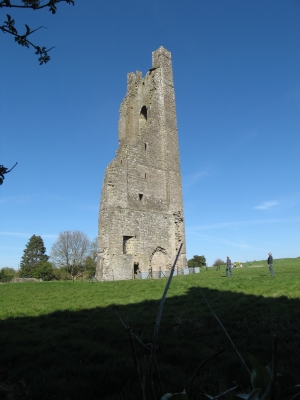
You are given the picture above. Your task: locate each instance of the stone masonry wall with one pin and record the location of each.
(141, 222)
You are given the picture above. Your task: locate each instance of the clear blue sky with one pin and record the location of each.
(236, 71)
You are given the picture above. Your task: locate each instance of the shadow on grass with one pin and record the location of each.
(87, 354)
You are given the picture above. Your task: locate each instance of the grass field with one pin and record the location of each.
(64, 340)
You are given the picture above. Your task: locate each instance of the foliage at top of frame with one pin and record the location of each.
(23, 39)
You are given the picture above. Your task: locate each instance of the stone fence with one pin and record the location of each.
(163, 274)
(26, 280)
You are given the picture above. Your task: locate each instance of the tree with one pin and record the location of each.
(22, 39)
(34, 256)
(218, 262)
(70, 250)
(91, 260)
(94, 249)
(44, 271)
(197, 261)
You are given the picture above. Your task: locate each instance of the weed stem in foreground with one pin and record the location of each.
(238, 353)
(162, 302)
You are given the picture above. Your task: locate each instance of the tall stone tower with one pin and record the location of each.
(141, 224)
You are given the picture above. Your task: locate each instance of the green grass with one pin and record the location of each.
(65, 341)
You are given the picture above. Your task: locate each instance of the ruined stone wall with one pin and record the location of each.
(141, 223)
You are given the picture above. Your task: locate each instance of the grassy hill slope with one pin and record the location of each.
(64, 340)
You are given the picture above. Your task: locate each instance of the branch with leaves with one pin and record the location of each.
(3, 171)
(22, 39)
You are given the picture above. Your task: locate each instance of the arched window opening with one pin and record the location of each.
(143, 113)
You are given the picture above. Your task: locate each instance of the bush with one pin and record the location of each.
(90, 266)
(7, 274)
(59, 273)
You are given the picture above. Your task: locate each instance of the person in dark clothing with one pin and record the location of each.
(270, 263)
(228, 266)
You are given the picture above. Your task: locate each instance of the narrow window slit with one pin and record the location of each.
(143, 113)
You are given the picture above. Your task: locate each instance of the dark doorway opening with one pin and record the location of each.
(135, 270)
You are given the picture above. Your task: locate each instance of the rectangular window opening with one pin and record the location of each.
(127, 244)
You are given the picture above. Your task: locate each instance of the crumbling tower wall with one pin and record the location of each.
(141, 223)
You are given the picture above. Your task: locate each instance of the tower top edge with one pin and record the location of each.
(162, 50)
(161, 58)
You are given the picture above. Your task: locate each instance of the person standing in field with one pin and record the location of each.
(228, 266)
(270, 263)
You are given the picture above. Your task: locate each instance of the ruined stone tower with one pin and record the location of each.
(141, 223)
